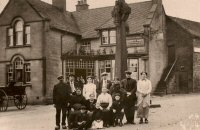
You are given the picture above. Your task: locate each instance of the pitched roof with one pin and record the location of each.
(89, 20)
(58, 19)
(191, 26)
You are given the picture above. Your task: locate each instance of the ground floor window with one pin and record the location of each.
(19, 71)
(85, 68)
(133, 66)
(106, 66)
(109, 65)
(80, 68)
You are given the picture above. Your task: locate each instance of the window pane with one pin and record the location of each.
(113, 37)
(133, 66)
(19, 26)
(27, 72)
(19, 32)
(86, 47)
(9, 73)
(19, 38)
(10, 37)
(10, 32)
(27, 35)
(105, 37)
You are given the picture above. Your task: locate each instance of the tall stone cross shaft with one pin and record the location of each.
(120, 14)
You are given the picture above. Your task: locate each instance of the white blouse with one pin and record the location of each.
(144, 86)
(105, 98)
(89, 89)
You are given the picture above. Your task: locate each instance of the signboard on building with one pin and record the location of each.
(134, 41)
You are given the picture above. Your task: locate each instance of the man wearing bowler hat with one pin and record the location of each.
(61, 98)
(129, 88)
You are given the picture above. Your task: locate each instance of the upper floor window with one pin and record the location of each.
(85, 47)
(19, 26)
(108, 37)
(18, 34)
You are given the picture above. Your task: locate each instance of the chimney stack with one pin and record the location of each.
(82, 5)
(60, 4)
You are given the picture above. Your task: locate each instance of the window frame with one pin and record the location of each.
(86, 46)
(18, 64)
(109, 37)
(26, 36)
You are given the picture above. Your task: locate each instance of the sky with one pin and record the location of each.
(187, 9)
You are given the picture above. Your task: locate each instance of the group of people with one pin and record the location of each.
(101, 104)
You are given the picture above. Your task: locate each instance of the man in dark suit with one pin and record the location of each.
(104, 83)
(129, 88)
(61, 98)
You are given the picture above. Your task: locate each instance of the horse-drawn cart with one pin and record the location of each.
(15, 93)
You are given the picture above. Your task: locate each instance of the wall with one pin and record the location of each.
(157, 47)
(181, 40)
(196, 65)
(53, 56)
(32, 54)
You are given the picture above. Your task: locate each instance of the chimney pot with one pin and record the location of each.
(82, 5)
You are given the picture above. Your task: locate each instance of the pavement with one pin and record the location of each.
(177, 112)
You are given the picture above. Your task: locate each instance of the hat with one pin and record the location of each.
(117, 94)
(78, 89)
(83, 107)
(104, 74)
(60, 77)
(128, 72)
(90, 76)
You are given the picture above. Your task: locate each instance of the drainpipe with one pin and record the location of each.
(61, 52)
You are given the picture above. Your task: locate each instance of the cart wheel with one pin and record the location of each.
(3, 101)
(20, 101)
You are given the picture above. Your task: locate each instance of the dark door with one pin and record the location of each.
(183, 82)
(80, 72)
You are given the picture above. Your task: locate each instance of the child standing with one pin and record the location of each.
(118, 110)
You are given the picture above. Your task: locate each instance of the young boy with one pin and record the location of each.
(118, 110)
(98, 122)
(81, 119)
(91, 109)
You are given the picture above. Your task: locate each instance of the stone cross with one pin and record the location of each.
(120, 14)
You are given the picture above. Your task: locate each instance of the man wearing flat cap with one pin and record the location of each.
(129, 88)
(104, 83)
(61, 98)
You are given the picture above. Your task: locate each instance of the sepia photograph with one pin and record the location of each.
(99, 64)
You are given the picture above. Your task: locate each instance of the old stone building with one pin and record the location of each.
(40, 41)
(182, 74)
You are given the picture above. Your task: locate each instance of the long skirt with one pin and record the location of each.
(143, 106)
(143, 112)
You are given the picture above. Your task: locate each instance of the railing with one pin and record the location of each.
(171, 69)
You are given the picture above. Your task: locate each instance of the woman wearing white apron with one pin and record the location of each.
(143, 93)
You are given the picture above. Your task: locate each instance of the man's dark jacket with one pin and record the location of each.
(129, 85)
(61, 94)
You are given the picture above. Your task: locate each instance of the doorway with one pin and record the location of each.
(183, 82)
(80, 72)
